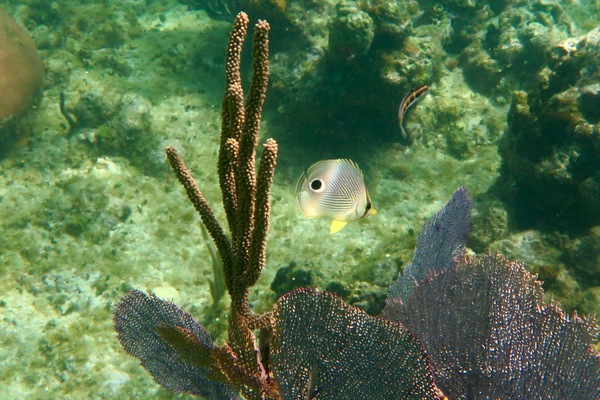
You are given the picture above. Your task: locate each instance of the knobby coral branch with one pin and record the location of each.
(261, 215)
(201, 205)
(246, 200)
(232, 119)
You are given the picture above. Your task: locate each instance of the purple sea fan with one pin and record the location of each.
(325, 349)
(488, 334)
(143, 323)
(440, 243)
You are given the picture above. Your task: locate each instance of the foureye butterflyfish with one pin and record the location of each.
(334, 189)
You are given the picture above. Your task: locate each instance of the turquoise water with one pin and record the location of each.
(92, 210)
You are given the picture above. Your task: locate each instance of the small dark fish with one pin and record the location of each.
(411, 98)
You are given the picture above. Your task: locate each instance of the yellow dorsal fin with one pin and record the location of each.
(336, 225)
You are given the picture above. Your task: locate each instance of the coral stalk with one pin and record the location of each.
(246, 200)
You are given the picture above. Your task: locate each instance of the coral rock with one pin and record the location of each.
(551, 150)
(352, 32)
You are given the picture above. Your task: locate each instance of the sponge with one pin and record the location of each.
(21, 70)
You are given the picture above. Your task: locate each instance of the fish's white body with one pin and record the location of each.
(334, 189)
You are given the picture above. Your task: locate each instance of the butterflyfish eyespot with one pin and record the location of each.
(317, 185)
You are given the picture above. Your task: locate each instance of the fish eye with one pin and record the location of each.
(317, 185)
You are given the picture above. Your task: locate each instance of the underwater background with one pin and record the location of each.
(90, 209)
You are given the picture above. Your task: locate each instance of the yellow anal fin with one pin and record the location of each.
(337, 226)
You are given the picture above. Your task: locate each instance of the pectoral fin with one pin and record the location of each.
(336, 226)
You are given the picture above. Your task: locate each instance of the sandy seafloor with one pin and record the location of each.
(82, 225)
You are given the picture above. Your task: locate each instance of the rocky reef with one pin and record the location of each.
(551, 150)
